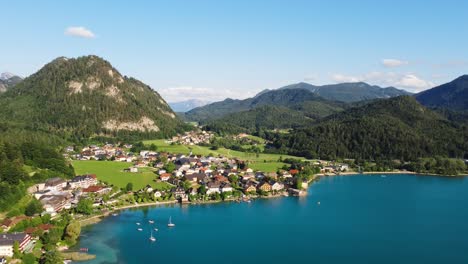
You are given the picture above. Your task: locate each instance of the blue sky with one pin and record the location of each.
(216, 49)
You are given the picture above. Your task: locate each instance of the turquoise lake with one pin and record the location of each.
(360, 219)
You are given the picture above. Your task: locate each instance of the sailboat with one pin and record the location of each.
(170, 224)
(151, 221)
(152, 238)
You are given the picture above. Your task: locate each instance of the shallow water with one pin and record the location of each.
(360, 219)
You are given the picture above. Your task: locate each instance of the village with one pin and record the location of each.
(187, 179)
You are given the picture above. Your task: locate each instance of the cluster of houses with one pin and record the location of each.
(193, 138)
(56, 194)
(106, 152)
(218, 175)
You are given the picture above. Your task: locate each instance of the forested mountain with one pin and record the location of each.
(452, 95)
(396, 128)
(80, 97)
(289, 98)
(8, 80)
(266, 117)
(349, 92)
(292, 95)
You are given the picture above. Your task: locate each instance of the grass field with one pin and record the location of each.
(257, 162)
(112, 173)
(266, 166)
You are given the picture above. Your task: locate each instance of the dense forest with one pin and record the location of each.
(397, 128)
(83, 97)
(23, 163)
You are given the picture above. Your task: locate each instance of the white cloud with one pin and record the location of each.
(409, 81)
(81, 32)
(414, 82)
(340, 78)
(183, 93)
(390, 63)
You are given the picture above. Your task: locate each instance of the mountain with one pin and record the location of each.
(285, 98)
(8, 80)
(344, 92)
(452, 95)
(184, 106)
(86, 96)
(395, 128)
(266, 117)
(349, 92)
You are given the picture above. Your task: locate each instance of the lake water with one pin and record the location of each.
(360, 219)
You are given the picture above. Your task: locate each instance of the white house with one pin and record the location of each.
(277, 186)
(8, 240)
(213, 187)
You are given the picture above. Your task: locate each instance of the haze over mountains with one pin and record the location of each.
(8, 80)
(184, 106)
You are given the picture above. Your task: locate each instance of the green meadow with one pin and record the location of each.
(262, 161)
(112, 173)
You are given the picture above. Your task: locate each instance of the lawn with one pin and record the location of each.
(257, 161)
(112, 173)
(266, 166)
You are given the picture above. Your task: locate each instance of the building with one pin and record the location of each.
(226, 187)
(264, 186)
(165, 176)
(53, 203)
(10, 222)
(55, 184)
(83, 181)
(277, 186)
(213, 187)
(96, 189)
(8, 240)
(178, 192)
(250, 187)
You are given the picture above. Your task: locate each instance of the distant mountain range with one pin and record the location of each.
(184, 106)
(8, 80)
(348, 92)
(452, 95)
(311, 101)
(86, 96)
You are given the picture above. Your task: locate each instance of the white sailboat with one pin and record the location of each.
(151, 221)
(170, 224)
(152, 238)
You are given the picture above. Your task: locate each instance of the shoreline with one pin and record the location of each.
(97, 218)
(353, 173)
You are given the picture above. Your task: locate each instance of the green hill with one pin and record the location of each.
(86, 96)
(265, 117)
(396, 128)
(300, 100)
